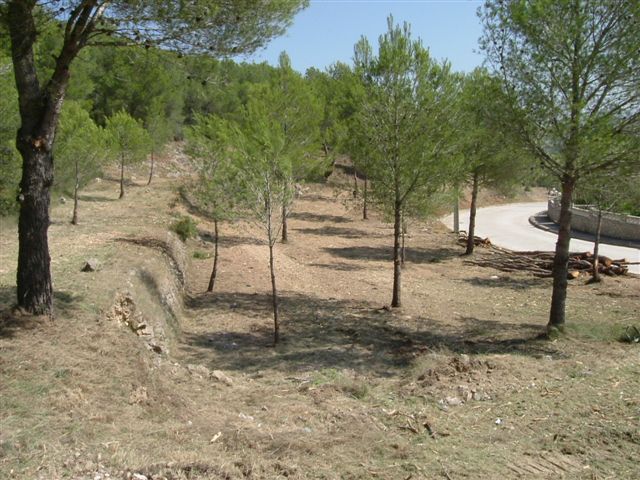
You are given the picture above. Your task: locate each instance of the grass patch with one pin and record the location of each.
(602, 332)
(347, 383)
(201, 255)
(185, 228)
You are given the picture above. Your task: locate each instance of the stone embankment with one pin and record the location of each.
(585, 219)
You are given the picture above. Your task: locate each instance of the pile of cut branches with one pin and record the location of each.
(540, 263)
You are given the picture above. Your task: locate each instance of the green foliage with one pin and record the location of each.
(217, 190)
(185, 228)
(403, 132)
(80, 148)
(9, 122)
(574, 70)
(298, 111)
(488, 149)
(201, 255)
(127, 138)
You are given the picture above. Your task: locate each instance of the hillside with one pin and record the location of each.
(143, 375)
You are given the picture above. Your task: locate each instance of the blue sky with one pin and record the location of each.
(327, 30)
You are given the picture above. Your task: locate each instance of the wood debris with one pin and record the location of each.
(540, 263)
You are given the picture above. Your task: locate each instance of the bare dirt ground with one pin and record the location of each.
(456, 384)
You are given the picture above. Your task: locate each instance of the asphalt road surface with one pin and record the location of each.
(508, 226)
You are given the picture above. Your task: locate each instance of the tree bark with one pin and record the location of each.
(39, 109)
(151, 169)
(121, 176)
(561, 257)
(76, 187)
(274, 297)
(397, 270)
(285, 232)
(355, 183)
(35, 289)
(214, 270)
(596, 247)
(472, 215)
(404, 234)
(365, 199)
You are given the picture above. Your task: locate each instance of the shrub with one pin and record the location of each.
(185, 228)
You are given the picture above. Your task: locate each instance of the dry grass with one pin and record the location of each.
(456, 384)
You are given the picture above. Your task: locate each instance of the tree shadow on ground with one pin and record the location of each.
(339, 232)
(230, 240)
(97, 198)
(317, 217)
(508, 282)
(342, 267)
(322, 333)
(412, 254)
(12, 320)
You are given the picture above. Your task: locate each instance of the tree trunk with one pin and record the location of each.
(285, 232)
(214, 271)
(596, 246)
(365, 199)
(274, 297)
(397, 271)
(76, 187)
(355, 183)
(561, 257)
(151, 169)
(35, 290)
(456, 212)
(472, 215)
(39, 105)
(121, 176)
(404, 234)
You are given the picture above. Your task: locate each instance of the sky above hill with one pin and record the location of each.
(327, 30)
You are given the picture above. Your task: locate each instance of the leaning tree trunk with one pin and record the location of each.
(151, 169)
(472, 215)
(365, 199)
(274, 297)
(355, 183)
(285, 230)
(397, 267)
(596, 247)
(76, 187)
(404, 234)
(121, 176)
(561, 257)
(214, 270)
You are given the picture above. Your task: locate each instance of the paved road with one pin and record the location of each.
(508, 226)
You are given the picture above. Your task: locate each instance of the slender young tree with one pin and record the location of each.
(490, 155)
(256, 146)
(298, 112)
(405, 118)
(574, 69)
(603, 194)
(128, 141)
(80, 150)
(159, 131)
(213, 26)
(217, 191)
